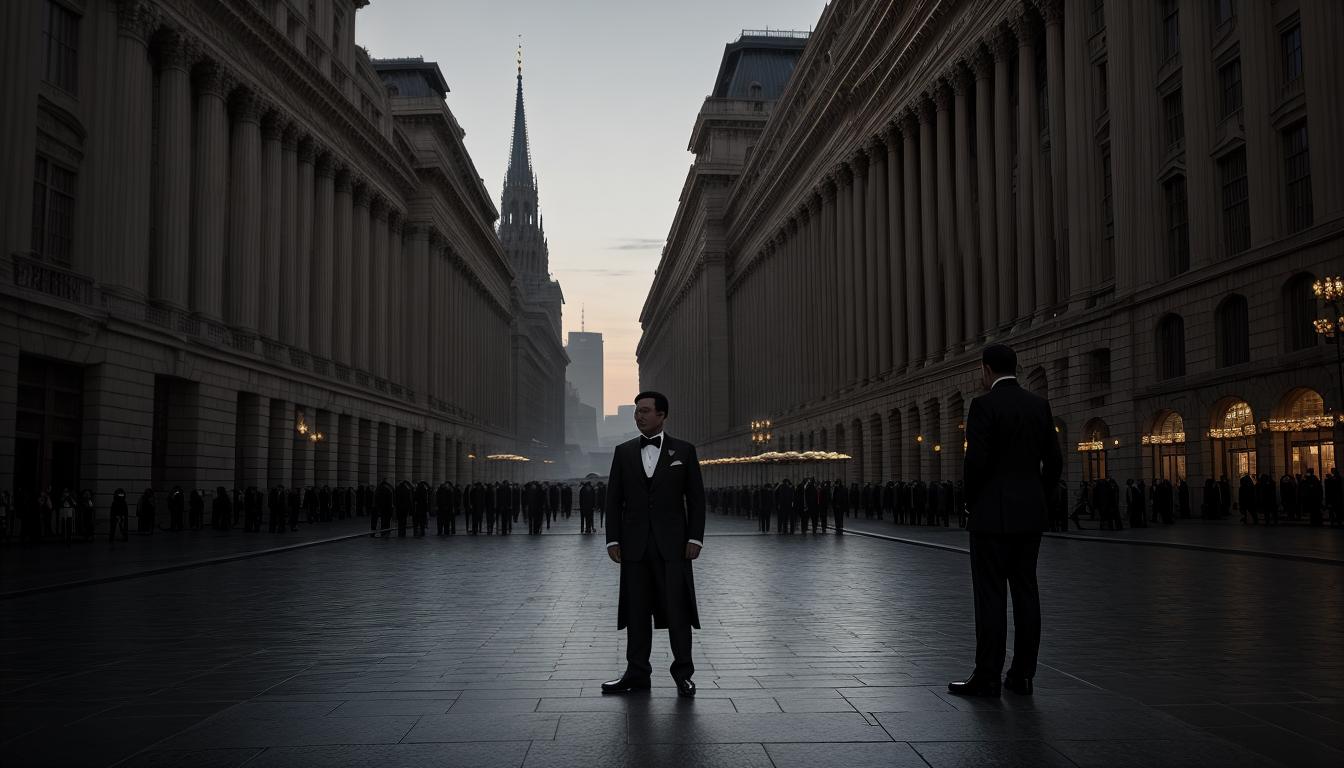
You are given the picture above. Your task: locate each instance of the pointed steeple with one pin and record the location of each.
(520, 154)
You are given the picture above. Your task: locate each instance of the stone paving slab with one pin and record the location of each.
(816, 650)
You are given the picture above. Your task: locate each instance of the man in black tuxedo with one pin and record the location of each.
(656, 500)
(1012, 465)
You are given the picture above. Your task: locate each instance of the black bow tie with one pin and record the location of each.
(656, 442)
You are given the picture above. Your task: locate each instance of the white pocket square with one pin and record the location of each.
(676, 463)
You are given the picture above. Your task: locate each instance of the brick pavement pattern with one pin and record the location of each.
(816, 650)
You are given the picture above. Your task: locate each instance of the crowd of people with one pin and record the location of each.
(794, 506)
(488, 508)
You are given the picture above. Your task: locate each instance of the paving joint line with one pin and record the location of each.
(180, 566)
(1201, 548)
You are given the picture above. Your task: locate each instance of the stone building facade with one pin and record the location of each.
(1136, 196)
(239, 252)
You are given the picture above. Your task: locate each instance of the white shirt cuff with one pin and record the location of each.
(613, 544)
(696, 542)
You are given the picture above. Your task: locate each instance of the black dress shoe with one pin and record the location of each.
(625, 685)
(976, 685)
(1017, 684)
(686, 687)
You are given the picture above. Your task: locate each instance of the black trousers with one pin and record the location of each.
(1002, 563)
(646, 581)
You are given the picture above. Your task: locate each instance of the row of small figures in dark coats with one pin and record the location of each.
(1294, 497)
(811, 501)
(489, 507)
(41, 516)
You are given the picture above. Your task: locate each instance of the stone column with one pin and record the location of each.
(359, 284)
(209, 191)
(1028, 154)
(347, 451)
(366, 446)
(291, 275)
(384, 222)
(243, 268)
(417, 253)
(22, 61)
(865, 292)
(832, 314)
(342, 288)
(320, 277)
(968, 292)
(253, 440)
(326, 450)
(306, 187)
(405, 461)
(133, 121)
(170, 268)
(273, 225)
(928, 225)
(914, 261)
(418, 285)
(1001, 47)
(1056, 101)
(947, 233)
(280, 455)
(895, 247)
(844, 241)
(1084, 161)
(395, 307)
(880, 255)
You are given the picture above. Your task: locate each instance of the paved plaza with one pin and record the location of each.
(816, 650)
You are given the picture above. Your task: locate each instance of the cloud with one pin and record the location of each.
(637, 244)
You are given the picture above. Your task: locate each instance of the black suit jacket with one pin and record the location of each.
(669, 508)
(1012, 460)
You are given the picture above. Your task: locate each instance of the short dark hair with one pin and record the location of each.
(659, 400)
(1000, 358)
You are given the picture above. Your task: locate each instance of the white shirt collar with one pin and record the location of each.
(1001, 378)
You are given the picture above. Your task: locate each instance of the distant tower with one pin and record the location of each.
(538, 354)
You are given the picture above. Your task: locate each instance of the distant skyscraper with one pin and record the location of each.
(585, 368)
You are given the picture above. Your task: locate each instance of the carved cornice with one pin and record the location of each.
(137, 18)
(213, 79)
(982, 61)
(178, 50)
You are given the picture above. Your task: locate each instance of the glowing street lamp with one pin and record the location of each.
(1330, 292)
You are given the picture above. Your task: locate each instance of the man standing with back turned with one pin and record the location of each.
(655, 528)
(1013, 462)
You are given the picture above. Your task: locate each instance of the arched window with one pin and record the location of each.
(754, 90)
(1234, 332)
(1299, 310)
(1170, 347)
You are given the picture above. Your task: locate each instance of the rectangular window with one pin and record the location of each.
(1297, 175)
(60, 33)
(1171, 30)
(1107, 207)
(1173, 111)
(1178, 226)
(1291, 43)
(1099, 368)
(53, 211)
(1223, 11)
(1236, 201)
(1229, 84)
(1098, 19)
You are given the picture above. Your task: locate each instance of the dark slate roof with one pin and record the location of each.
(412, 77)
(761, 60)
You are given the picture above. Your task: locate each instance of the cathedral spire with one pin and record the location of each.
(520, 154)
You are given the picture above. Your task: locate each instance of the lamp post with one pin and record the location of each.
(760, 439)
(1330, 292)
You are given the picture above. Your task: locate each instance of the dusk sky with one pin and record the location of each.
(612, 88)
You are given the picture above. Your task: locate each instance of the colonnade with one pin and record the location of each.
(229, 212)
(937, 232)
